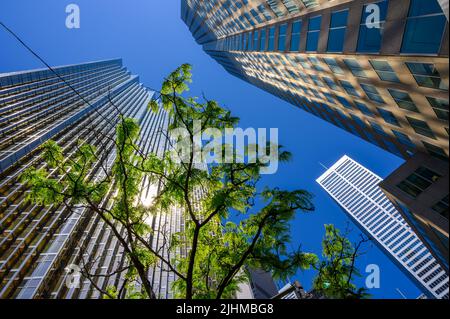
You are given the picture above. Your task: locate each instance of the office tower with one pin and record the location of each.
(375, 68)
(357, 191)
(386, 82)
(419, 189)
(38, 244)
(296, 291)
(262, 284)
(259, 286)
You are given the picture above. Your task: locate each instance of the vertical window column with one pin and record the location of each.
(424, 28)
(271, 42)
(295, 36)
(262, 40)
(336, 35)
(371, 31)
(312, 40)
(282, 29)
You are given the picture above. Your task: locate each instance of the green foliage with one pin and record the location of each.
(220, 250)
(337, 270)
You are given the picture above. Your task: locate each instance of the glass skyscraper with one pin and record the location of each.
(38, 244)
(375, 68)
(357, 191)
(386, 82)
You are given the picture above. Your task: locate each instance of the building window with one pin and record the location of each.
(356, 69)
(316, 81)
(364, 109)
(250, 41)
(403, 100)
(255, 40)
(312, 40)
(404, 139)
(338, 26)
(282, 37)
(255, 15)
(246, 41)
(263, 10)
(440, 107)
(344, 102)
(333, 65)
(304, 63)
(331, 84)
(384, 71)
(388, 117)
(295, 35)
(424, 27)
(359, 121)
(316, 63)
(348, 87)
(370, 35)
(274, 5)
(271, 45)
(435, 151)
(421, 127)
(426, 75)
(329, 97)
(419, 181)
(442, 207)
(372, 93)
(377, 128)
(309, 3)
(291, 6)
(262, 40)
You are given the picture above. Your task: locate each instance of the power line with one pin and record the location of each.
(48, 66)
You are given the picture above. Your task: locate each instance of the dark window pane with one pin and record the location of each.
(314, 23)
(421, 127)
(424, 7)
(427, 174)
(388, 117)
(271, 44)
(426, 75)
(312, 40)
(442, 207)
(295, 35)
(356, 69)
(369, 40)
(384, 71)
(409, 189)
(440, 107)
(436, 151)
(403, 100)
(424, 35)
(336, 40)
(419, 181)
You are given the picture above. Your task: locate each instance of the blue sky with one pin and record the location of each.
(152, 40)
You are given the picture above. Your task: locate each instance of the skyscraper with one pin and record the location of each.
(357, 191)
(375, 68)
(259, 286)
(385, 81)
(38, 244)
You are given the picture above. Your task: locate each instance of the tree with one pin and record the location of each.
(337, 270)
(219, 247)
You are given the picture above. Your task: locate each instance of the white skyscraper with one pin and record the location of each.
(356, 190)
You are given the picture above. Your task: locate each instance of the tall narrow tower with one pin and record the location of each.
(357, 191)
